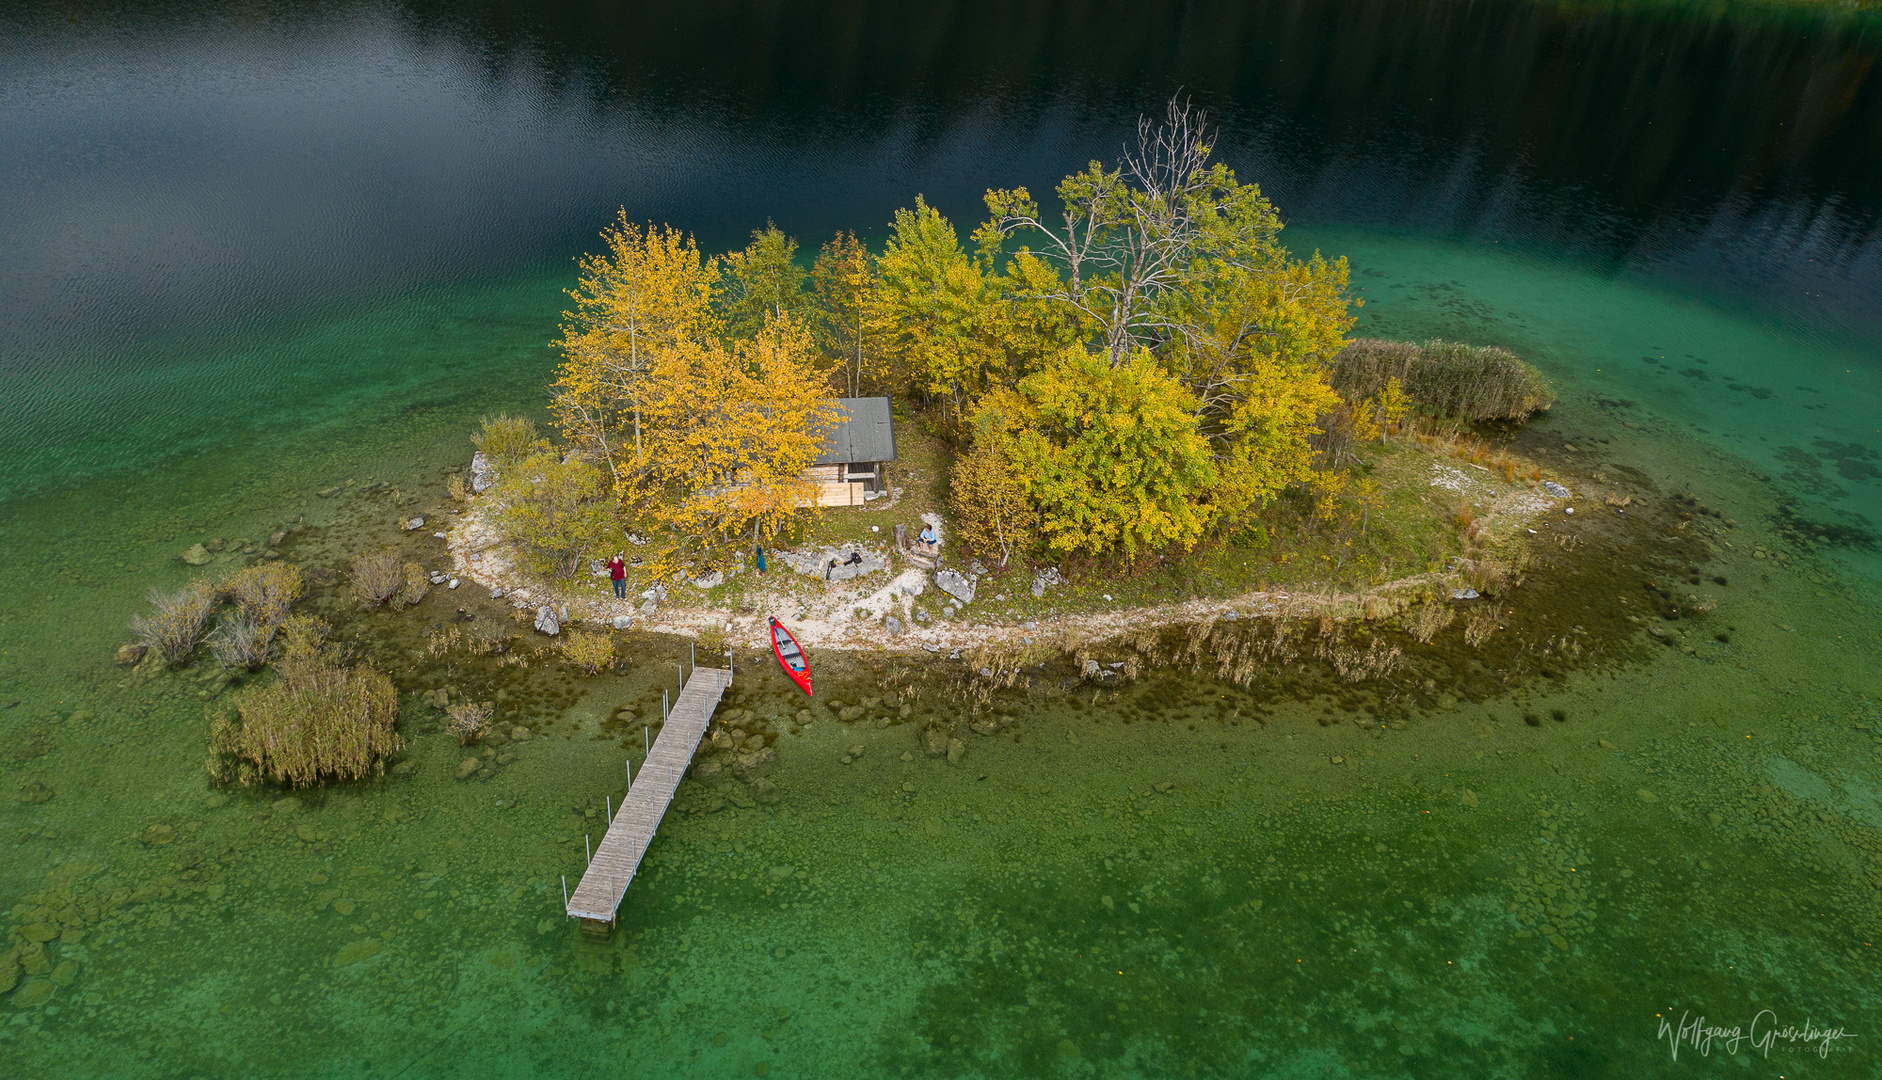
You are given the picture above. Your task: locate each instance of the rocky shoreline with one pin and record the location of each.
(826, 615)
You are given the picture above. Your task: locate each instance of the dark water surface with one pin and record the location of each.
(251, 252)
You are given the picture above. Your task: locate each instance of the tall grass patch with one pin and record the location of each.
(1446, 379)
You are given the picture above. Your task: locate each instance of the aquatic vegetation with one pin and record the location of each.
(179, 619)
(457, 488)
(265, 591)
(1433, 616)
(242, 641)
(318, 720)
(469, 721)
(588, 650)
(417, 584)
(377, 578)
(507, 439)
(1446, 379)
(1481, 624)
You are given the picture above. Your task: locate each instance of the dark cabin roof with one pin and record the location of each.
(865, 431)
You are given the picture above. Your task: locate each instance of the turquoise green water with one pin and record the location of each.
(250, 257)
(1041, 908)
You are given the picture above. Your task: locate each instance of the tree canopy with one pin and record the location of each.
(1122, 373)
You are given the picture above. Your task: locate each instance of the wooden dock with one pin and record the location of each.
(612, 865)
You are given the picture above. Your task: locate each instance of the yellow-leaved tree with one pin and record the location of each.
(1110, 455)
(994, 513)
(649, 291)
(731, 428)
(931, 310)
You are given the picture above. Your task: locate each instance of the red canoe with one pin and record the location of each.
(790, 656)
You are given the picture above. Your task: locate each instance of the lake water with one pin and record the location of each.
(251, 252)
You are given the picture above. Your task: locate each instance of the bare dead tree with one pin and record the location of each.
(1129, 240)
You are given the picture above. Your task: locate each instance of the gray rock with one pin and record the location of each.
(454, 583)
(1557, 490)
(621, 622)
(1091, 669)
(412, 523)
(1463, 594)
(483, 473)
(647, 606)
(955, 584)
(547, 622)
(892, 624)
(710, 581)
(437, 578)
(496, 592)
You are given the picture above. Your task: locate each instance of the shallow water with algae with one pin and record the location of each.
(1532, 857)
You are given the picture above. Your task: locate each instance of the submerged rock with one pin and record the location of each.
(197, 555)
(129, 655)
(36, 992)
(468, 767)
(764, 791)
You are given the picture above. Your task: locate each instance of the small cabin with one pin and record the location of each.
(853, 467)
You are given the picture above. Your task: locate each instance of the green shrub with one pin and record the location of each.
(1443, 378)
(589, 651)
(179, 619)
(507, 439)
(553, 511)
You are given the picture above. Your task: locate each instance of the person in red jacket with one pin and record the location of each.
(617, 569)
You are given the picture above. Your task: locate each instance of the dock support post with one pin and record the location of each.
(586, 850)
(565, 895)
(610, 805)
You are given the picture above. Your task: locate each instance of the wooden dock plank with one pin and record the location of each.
(617, 858)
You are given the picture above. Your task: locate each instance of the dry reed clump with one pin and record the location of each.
(1377, 661)
(318, 720)
(457, 489)
(1481, 624)
(1443, 378)
(265, 592)
(179, 619)
(588, 651)
(417, 584)
(242, 641)
(1433, 616)
(377, 578)
(469, 721)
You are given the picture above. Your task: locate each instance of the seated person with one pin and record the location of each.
(928, 539)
